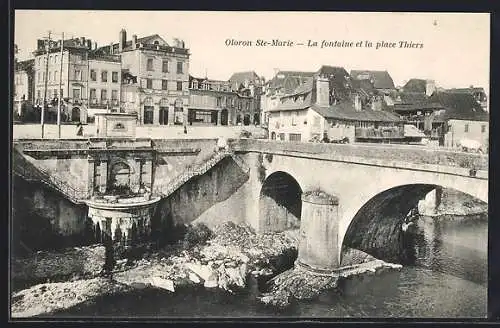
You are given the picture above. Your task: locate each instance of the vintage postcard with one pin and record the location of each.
(188, 164)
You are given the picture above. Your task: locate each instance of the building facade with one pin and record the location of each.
(104, 84)
(211, 102)
(156, 78)
(69, 83)
(249, 87)
(23, 84)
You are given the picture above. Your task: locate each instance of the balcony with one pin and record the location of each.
(380, 133)
(103, 103)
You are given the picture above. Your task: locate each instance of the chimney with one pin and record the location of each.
(134, 41)
(89, 44)
(376, 103)
(122, 40)
(82, 41)
(357, 102)
(430, 87)
(95, 45)
(322, 92)
(111, 48)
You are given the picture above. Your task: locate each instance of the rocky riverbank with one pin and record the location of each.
(223, 262)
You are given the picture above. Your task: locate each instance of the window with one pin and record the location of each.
(104, 76)
(114, 94)
(76, 93)
(39, 76)
(54, 94)
(164, 66)
(93, 75)
(179, 67)
(78, 75)
(43, 76)
(104, 95)
(164, 84)
(50, 76)
(55, 59)
(179, 86)
(163, 119)
(483, 128)
(466, 128)
(294, 137)
(294, 119)
(51, 59)
(93, 95)
(56, 77)
(150, 64)
(219, 101)
(149, 84)
(114, 77)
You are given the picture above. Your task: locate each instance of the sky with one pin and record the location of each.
(455, 51)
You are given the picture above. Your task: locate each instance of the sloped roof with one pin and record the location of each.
(128, 44)
(466, 90)
(288, 81)
(332, 70)
(381, 79)
(460, 106)
(346, 111)
(412, 97)
(241, 77)
(415, 85)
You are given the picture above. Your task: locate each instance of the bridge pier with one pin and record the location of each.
(429, 205)
(318, 244)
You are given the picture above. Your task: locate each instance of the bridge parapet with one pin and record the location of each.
(380, 153)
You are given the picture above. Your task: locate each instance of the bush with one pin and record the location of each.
(198, 234)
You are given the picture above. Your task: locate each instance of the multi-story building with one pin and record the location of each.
(104, 83)
(249, 87)
(309, 114)
(283, 83)
(211, 102)
(71, 84)
(23, 84)
(156, 78)
(464, 117)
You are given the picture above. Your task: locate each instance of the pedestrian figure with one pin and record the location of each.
(79, 129)
(185, 130)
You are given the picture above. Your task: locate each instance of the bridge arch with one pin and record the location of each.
(375, 228)
(280, 203)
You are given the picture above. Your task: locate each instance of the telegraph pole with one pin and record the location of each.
(60, 90)
(46, 80)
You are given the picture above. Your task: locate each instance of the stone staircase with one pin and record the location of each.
(26, 170)
(199, 170)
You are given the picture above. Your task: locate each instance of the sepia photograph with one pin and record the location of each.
(234, 164)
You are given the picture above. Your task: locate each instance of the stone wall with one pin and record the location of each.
(201, 193)
(44, 219)
(408, 154)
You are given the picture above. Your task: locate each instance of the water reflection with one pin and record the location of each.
(447, 278)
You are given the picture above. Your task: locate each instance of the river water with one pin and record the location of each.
(448, 278)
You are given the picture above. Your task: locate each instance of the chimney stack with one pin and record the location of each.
(89, 44)
(111, 48)
(122, 40)
(95, 45)
(357, 102)
(134, 41)
(82, 41)
(430, 87)
(322, 92)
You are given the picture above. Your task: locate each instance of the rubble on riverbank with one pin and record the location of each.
(46, 298)
(303, 284)
(223, 262)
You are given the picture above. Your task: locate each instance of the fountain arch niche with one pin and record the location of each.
(123, 200)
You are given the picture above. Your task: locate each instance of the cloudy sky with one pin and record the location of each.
(455, 52)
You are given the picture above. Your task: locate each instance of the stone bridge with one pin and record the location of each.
(376, 186)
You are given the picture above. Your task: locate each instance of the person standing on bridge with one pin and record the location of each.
(79, 129)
